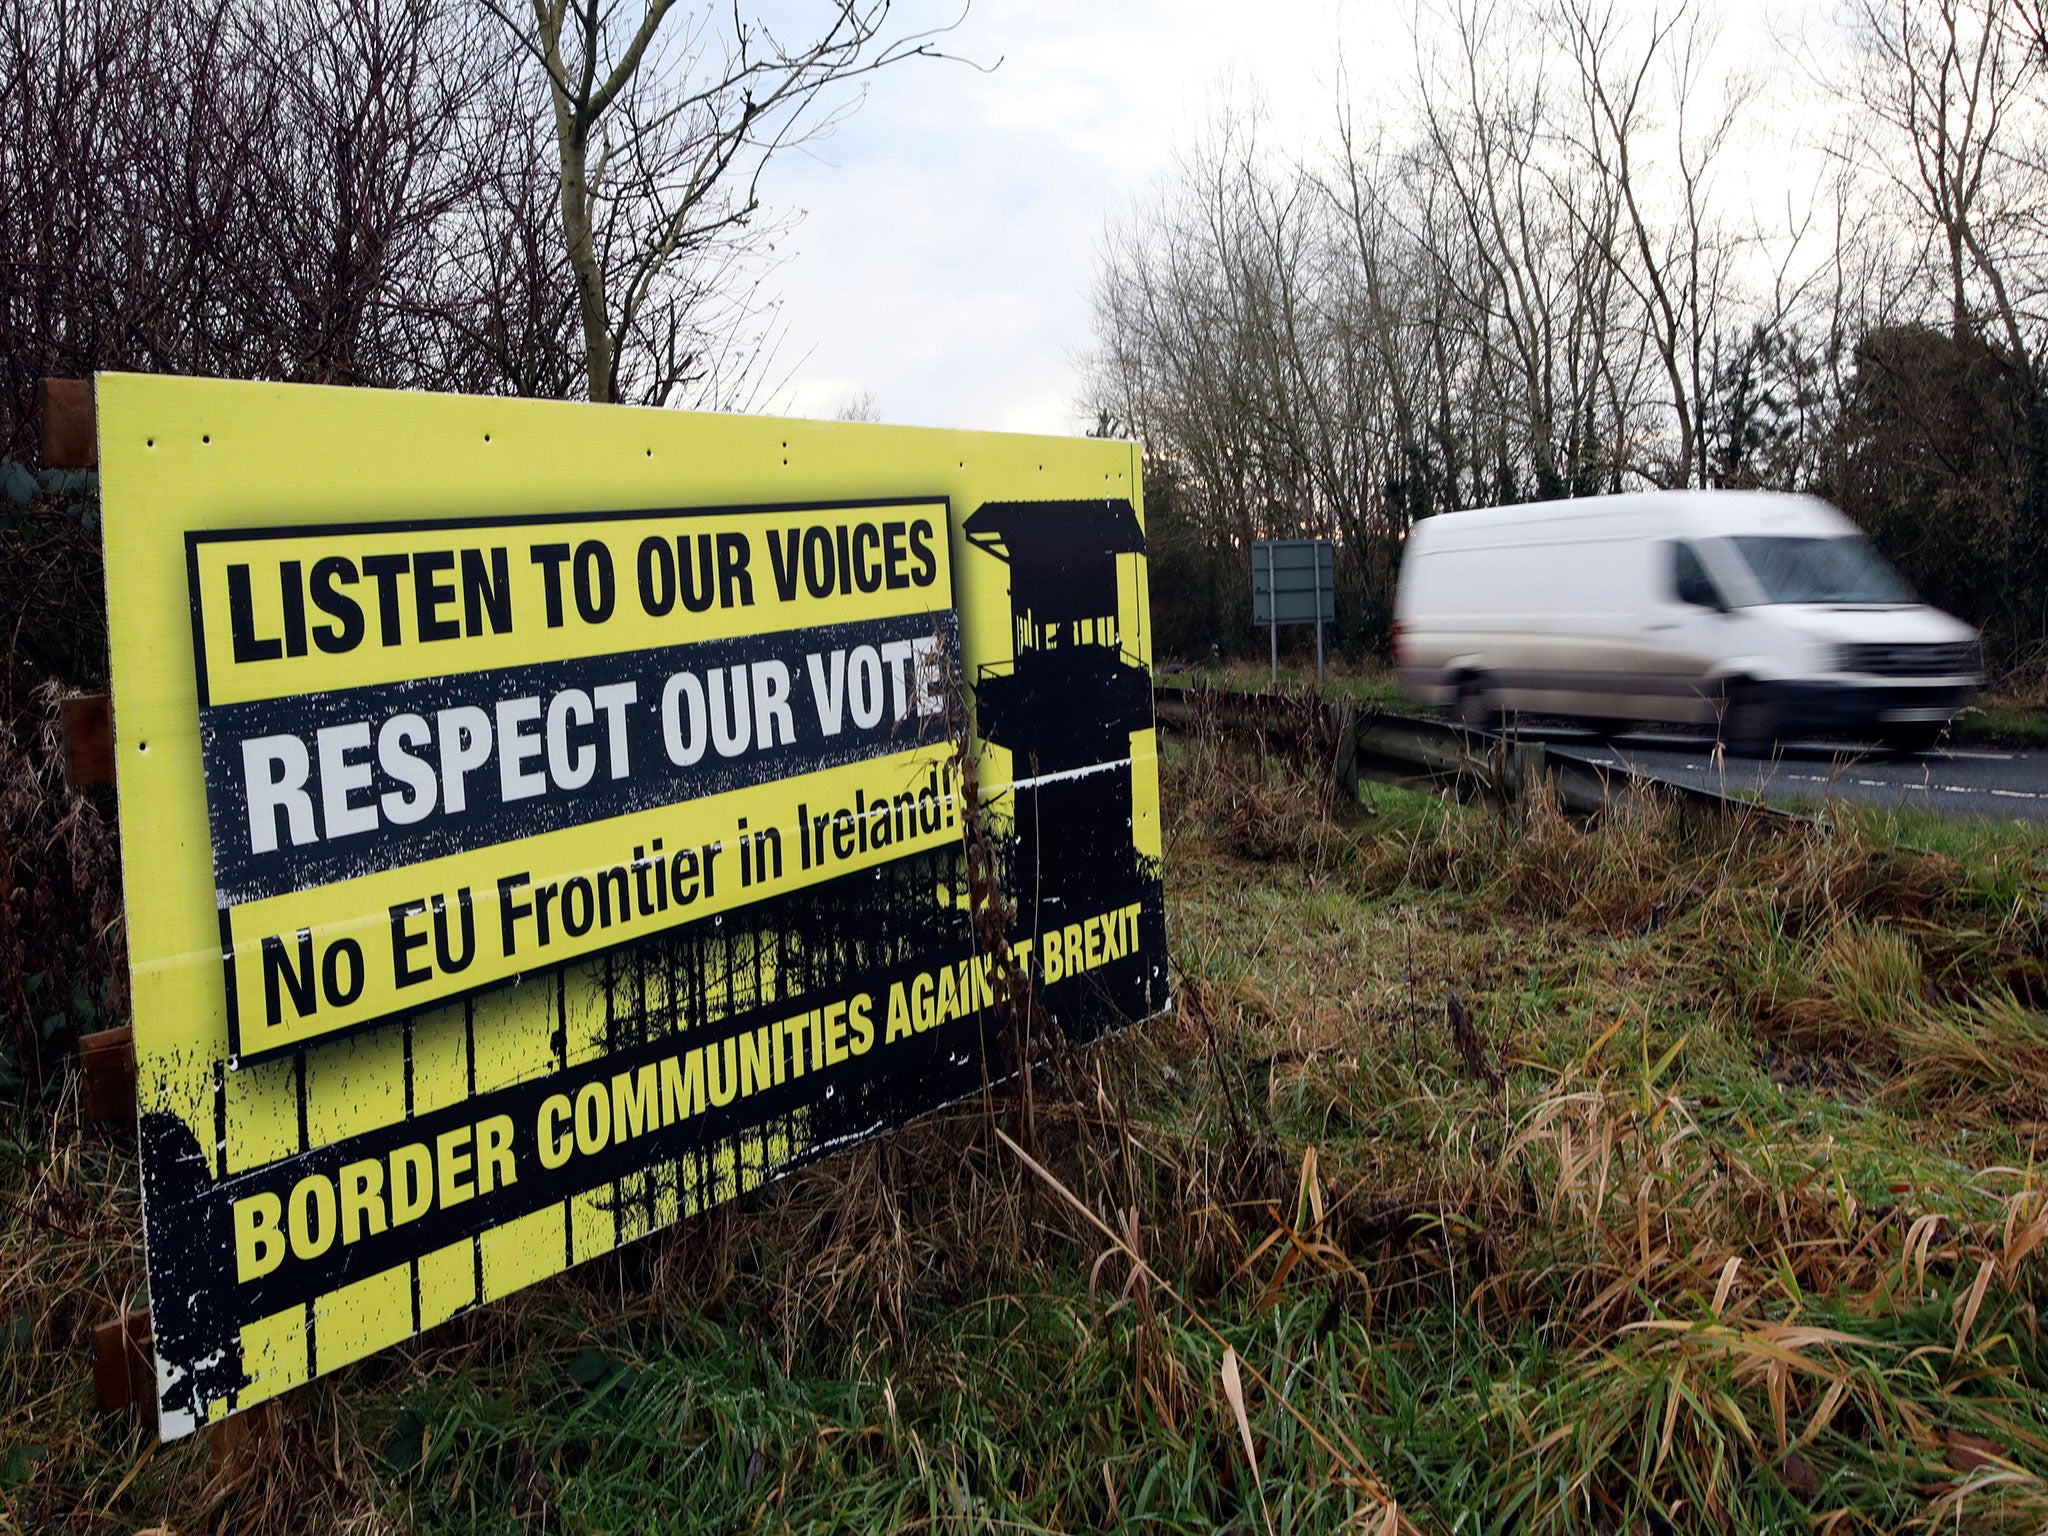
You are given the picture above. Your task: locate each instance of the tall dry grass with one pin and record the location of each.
(1682, 1186)
(1719, 1212)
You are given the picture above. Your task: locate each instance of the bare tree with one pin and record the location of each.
(371, 157)
(1531, 257)
(1538, 276)
(1945, 92)
(1674, 254)
(665, 118)
(330, 190)
(1948, 93)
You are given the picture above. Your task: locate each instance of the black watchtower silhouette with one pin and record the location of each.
(1067, 705)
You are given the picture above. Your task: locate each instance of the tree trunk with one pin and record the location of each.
(597, 341)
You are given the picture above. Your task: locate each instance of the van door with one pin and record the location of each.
(1686, 633)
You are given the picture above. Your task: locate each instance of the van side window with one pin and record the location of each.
(1690, 582)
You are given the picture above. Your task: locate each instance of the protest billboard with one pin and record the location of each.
(543, 821)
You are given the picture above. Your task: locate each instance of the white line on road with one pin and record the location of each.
(1783, 776)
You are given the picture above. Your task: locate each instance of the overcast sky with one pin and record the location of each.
(944, 259)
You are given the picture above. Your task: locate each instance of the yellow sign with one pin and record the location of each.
(440, 756)
(541, 822)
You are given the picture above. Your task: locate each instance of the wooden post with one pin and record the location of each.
(234, 1444)
(108, 1060)
(123, 1355)
(70, 432)
(124, 1365)
(88, 720)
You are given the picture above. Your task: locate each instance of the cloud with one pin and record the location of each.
(947, 245)
(946, 252)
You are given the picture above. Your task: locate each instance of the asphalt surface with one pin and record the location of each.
(1957, 781)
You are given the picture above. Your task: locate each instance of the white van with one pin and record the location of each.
(1760, 614)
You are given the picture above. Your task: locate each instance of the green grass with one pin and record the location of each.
(1998, 723)
(1686, 1241)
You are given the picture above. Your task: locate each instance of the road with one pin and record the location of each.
(1959, 781)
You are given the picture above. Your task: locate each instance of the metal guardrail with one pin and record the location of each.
(1369, 743)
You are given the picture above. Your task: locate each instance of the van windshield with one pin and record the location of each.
(1844, 569)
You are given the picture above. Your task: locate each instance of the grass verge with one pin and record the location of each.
(1995, 722)
(1492, 1174)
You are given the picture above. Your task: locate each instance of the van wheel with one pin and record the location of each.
(1751, 723)
(1473, 706)
(1912, 735)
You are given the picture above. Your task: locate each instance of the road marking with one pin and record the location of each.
(1767, 777)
